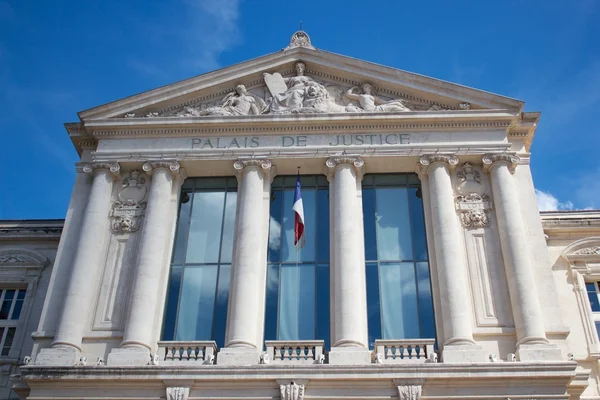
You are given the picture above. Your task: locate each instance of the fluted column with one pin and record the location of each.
(348, 280)
(85, 271)
(138, 339)
(527, 312)
(245, 317)
(451, 259)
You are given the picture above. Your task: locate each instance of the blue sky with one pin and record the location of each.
(60, 57)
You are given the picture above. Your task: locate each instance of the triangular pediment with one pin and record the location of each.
(330, 83)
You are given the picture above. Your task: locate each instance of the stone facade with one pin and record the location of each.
(508, 287)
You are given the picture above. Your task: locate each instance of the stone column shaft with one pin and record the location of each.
(527, 312)
(451, 259)
(243, 341)
(87, 263)
(349, 313)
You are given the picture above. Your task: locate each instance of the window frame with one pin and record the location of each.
(21, 268)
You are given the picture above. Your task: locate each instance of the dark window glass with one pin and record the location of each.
(297, 299)
(399, 299)
(198, 290)
(593, 296)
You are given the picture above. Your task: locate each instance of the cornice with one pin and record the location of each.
(32, 229)
(579, 223)
(328, 123)
(551, 370)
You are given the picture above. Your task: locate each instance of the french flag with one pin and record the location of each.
(298, 215)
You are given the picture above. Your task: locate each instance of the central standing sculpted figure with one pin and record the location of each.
(372, 103)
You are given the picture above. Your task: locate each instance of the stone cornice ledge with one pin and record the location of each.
(501, 117)
(517, 370)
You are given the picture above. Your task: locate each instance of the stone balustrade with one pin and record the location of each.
(193, 352)
(403, 351)
(295, 351)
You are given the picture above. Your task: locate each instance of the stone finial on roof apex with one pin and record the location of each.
(300, 39)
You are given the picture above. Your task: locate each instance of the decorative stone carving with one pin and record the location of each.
(589, 251)
(17, 259)
(178, 393)
(133, 187)
(91, 168)
(126, 216)
(371, 103)
(511, 159)
(409, 392)
(300, 39)
(464, 106)
(126, 213)
(473, 209)
(291, 391)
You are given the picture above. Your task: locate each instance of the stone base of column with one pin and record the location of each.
(58, 356)
(460, 354)
(538, 352)
(349, 356)
(238, 356)
(129, 356)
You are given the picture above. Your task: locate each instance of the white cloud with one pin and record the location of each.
(547, 202)
(214, 29)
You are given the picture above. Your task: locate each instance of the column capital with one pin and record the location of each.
(355, 161)
(427, 160)
(510, 159)
(111, 167)
(262, 163)
(151, 167)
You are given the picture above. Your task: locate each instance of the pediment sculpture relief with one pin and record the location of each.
(298, 94)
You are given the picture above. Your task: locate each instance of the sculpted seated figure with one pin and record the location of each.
(371, 103)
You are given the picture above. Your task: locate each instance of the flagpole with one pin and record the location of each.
(298, 244)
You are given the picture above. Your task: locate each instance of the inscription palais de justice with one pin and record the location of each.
(243, 142)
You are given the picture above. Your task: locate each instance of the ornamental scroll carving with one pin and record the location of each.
(409, 392)
(177, 393)
(472, 203)
(291, 391)
(126, 213)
